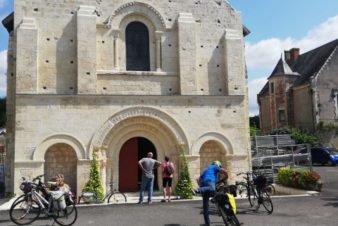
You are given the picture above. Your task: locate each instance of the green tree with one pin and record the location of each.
(2, 112)
(94, 183)
(254, 121)
(184, 184)
(303, 137)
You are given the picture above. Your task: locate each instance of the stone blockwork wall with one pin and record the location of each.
(303, 108)
(71, 87)
(86, 39)
(327, 91)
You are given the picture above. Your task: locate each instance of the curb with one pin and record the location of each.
(285, 191)
(294, 191)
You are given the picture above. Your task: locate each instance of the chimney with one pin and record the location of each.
(287, 55)
(291, 55)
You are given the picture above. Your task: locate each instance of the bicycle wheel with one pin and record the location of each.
(68, 216)
(117, 197)
(270, 189)
(223, 214)
(233, 221)
(267, 203)
(252, 196)
(229, 219)
(24, 211)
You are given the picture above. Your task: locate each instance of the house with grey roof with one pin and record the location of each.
(302, 90)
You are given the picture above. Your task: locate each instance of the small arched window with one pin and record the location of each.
(137, 47)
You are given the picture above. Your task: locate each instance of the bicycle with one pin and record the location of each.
(113, 196)
(223, 204)
(262, 194)
(56, 204)
(247, 187)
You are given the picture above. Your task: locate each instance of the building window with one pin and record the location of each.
(137, 47)
(272, 88)
(281, 115)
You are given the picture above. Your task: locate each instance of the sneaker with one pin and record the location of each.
(140, 202)
(150, 202)
(163, 200)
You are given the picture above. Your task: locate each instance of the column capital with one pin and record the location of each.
(158, 34)
(116, 33)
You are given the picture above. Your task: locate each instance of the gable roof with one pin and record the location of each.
(8, 22)
(309, 63)
(282, 68)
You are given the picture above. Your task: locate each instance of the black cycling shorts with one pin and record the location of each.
(167, 181)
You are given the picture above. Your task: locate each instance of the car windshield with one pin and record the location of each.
(333, 151)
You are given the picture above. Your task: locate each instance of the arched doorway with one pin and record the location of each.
(129, 172)
(209, 152)
(61, 158)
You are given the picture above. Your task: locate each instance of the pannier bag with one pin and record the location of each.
(260, 181)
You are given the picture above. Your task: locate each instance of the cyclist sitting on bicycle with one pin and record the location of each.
(207, 183)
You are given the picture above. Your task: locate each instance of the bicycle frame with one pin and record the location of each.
(41, 200)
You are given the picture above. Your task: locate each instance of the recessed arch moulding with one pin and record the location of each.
(138, 8)
(225, 153)
(42, 148)
(150, 123)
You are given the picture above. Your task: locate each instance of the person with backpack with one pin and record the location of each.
(207, 185)
(168, 170)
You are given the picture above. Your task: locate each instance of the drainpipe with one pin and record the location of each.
(315, 109)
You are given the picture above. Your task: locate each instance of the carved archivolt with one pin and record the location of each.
(130, 113)
(134, 7)
(39, 153)
(212, 136)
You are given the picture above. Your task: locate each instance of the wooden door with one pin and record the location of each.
(128, 166)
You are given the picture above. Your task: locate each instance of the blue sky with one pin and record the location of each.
(275, 25)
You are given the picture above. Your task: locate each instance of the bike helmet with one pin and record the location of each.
(218, 163)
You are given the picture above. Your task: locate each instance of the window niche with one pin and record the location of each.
(137, 47)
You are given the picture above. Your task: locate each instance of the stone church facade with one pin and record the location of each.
(124, 77)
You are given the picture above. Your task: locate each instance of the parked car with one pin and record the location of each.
(323, 155)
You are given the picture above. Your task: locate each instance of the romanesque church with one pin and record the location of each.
(122, 78)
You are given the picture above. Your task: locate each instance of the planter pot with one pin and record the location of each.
(315, 187)
(88, 197)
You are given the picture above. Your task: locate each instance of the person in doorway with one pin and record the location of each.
(207, 184)
(147, 164)
(168, 170)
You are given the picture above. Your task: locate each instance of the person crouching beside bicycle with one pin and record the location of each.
(207, 184)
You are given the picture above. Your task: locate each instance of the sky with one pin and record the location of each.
(275, 25)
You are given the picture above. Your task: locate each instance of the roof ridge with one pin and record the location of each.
(327, 60)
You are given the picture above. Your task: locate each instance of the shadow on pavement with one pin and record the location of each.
(331, 201)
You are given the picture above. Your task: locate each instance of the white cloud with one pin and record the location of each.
(3, 69)
(254, 87)
(264, 55)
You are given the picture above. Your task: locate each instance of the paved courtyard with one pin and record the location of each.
(291, 211)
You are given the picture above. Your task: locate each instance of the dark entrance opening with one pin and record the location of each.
(137, 47)
(129, 172)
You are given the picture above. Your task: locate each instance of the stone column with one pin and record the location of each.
(234, 64)
(187, 53)
(27, 56)
(86, 50)
(116, 34)
(158, 50)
